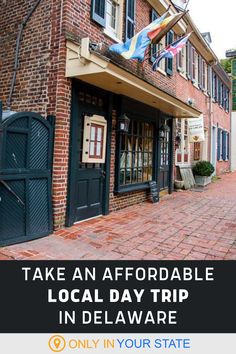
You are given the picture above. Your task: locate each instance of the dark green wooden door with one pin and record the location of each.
(87, 194)
(89, 178)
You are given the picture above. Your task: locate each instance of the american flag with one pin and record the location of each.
(170, 51)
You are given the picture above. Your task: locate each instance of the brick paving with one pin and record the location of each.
(189, 225)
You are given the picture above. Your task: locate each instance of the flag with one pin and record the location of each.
(171, 50)
(180, 4)
(135, 47)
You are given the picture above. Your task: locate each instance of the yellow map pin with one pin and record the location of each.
(57, 342)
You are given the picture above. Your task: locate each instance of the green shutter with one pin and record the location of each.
(218, 144)
(169, 62)
(224, 145)
(154, 47)
(99, 11)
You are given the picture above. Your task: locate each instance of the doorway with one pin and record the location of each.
(89, 155)
(165, 158)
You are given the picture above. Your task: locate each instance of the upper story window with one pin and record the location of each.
(108, 13)
(155, 48)
(112, 18)
(169, 62)
(130, 18)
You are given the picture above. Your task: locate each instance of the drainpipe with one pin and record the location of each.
(16, 63)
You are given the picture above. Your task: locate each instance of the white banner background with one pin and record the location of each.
(38, 343)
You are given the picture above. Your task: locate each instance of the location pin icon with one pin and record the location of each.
(57, 342)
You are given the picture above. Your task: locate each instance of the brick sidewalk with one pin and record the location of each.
(184, 225)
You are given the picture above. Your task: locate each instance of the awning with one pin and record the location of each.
(100, 71)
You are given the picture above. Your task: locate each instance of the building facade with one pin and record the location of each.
(65, 69)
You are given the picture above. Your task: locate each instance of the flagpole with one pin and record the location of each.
(186, 5)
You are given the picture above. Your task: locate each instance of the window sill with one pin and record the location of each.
(132, 188)
(196, 85)
(183, 76)
(111, 35)
(161, 71)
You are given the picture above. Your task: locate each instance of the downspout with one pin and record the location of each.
(16, 64)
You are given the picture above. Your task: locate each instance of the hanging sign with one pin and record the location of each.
(196, 129)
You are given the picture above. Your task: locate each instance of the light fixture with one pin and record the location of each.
(123, 123)
(164, 128)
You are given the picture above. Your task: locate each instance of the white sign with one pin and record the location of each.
(196, 129)
(180, 3)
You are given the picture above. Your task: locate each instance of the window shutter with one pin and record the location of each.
(224, 145)
(169, 62)
(218, 144)
(154, 16)
(227, 100)
(209, 73)
(193, 66)
(216, 87)
(227, 154)
(219, 92)
(200, 72)
(189, 61)
(99, 11)
(130, 15)
(213, 84)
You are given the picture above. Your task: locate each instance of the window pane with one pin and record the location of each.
(92, 133)
(91, 149)
(98, 149)
(99, 134)
(136, 156)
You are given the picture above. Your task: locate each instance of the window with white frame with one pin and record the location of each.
(108, 14)
(113, 16)
(182, 151)
(181, 61)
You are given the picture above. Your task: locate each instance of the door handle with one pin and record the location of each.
(103, 173)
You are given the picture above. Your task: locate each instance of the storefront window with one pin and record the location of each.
(136, 154)
(182, 151)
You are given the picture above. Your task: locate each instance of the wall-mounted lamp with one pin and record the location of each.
(123, 123)
(178, 139)
(164, 128)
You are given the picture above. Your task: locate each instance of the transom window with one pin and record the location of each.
(136, 154)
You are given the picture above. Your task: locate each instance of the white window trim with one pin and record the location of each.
(86, 139)
(181, 149)
(110, 33)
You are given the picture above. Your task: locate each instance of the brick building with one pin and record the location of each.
(65, 69)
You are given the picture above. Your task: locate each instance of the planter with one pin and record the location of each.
(179, 184)
(202, 180)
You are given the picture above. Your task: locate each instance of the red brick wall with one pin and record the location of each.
(41, 85)
(212, 113)
(31, 89)
(80, 25)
